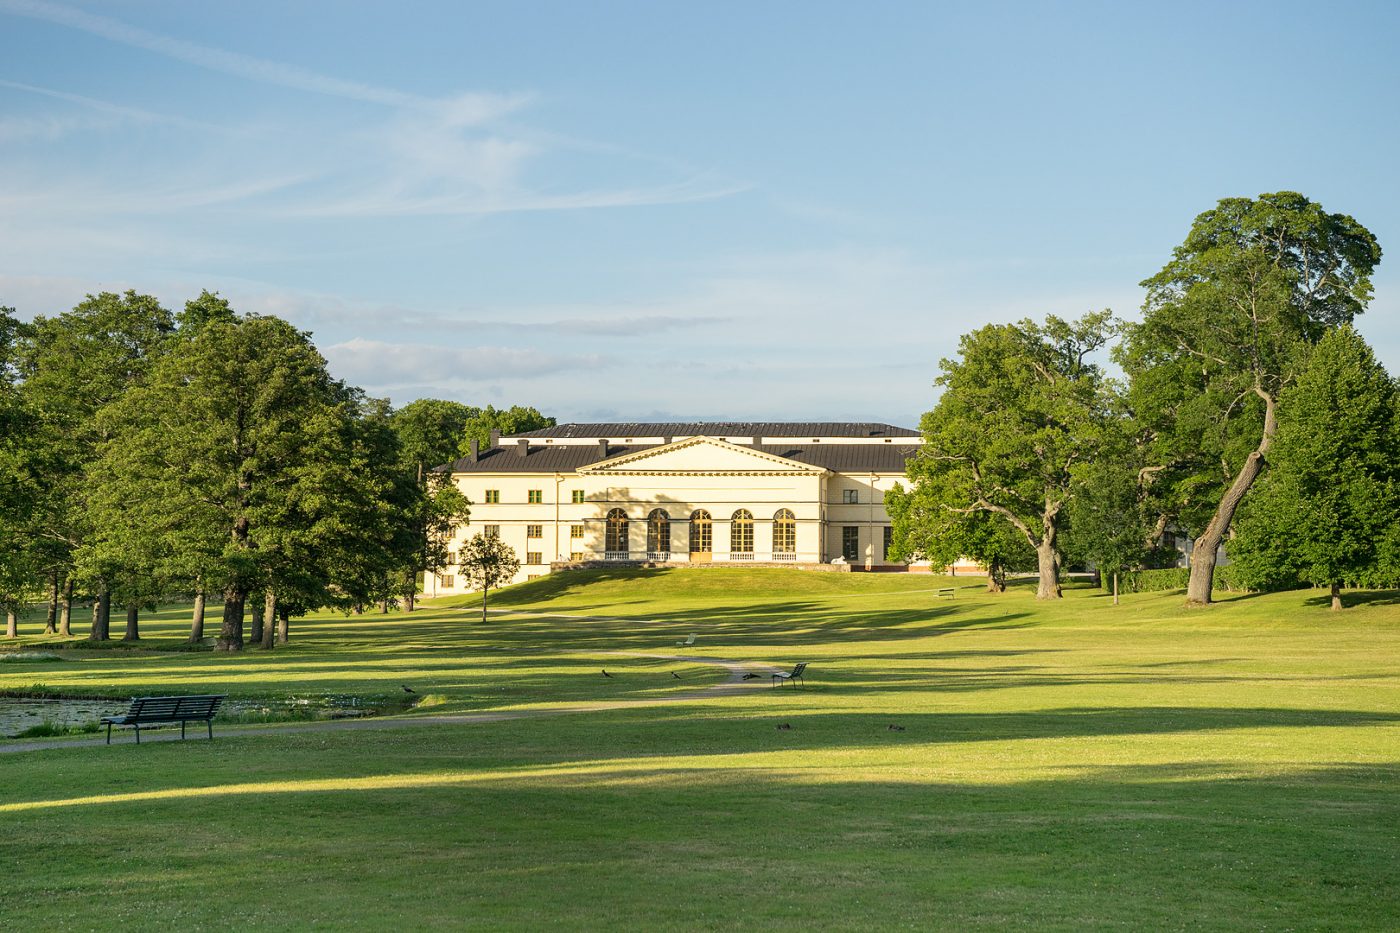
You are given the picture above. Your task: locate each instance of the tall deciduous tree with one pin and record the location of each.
(430, 434)
(486, 561)
(1022, 406)
(237, 437)
(72, 366)
(1255, 282)
(1328, 511)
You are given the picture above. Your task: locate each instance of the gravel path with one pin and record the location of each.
(735, 684)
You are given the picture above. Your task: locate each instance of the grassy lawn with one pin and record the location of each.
(1068, 766)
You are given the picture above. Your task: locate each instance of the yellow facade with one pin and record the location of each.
(652, 499)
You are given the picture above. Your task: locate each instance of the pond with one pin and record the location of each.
(20, 713)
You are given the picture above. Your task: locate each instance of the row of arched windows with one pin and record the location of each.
(702, 531)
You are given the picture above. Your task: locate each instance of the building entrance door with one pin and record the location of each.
(701, 537)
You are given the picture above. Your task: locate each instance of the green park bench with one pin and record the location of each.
(948, 591)
(793, 676)
(159, 711)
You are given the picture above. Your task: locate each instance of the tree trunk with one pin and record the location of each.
(231, 631)
(11, 624)
(1048, 563)
(1336, 597)
(102, 614)
(410, 600)
(197, 621)
(255, 619)
(1204, 551)
(269, 619)
(484, 590)
(283, 626)
(1115, 587)
(65, 613)
(133, 623)
(996, 577)
(51, 622)
(384, 606)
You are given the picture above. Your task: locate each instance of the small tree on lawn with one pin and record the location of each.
(487, 561)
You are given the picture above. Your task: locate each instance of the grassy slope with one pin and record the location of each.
(1063, 766)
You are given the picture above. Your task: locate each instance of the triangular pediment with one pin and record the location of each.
(699, 455)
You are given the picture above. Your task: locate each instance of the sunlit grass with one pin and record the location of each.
(1064, 766)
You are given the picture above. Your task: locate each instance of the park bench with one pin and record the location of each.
(687, 643)
(149, 711)
(793, 676)
(948, 591)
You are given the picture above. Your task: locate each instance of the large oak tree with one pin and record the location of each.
(1224, 327)
(1021, 408)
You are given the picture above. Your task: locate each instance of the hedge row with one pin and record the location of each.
(1174, 578)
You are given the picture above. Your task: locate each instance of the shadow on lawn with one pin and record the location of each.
(820, 730)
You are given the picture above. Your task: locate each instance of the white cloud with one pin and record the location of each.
(379, 365)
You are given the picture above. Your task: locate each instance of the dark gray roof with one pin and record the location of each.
(728, 429)
(842, 458)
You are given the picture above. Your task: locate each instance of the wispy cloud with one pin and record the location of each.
(474, 107)
(380, 364)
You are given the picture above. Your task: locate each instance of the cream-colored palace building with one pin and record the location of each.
(684, 493)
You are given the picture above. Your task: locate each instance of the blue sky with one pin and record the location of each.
(665, 210)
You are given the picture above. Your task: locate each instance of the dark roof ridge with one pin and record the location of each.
(611, 429)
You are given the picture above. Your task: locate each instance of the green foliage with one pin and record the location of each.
(1020, 408)
(431, 432)
(514, 420)
(1110, 516)
(1225, 327)
(242, 464)
(486, 561)
(1329, 510)
(926, 529)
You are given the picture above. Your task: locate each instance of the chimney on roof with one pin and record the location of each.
(603, 447)
(757, 440)
(666, 439)
(522, 447)
(495, 437)
(475, 454)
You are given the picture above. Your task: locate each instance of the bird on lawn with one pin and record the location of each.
(784, 725)
(894, 728)
(606, 674)
(408, 689)
(750, 676)
(675, 675)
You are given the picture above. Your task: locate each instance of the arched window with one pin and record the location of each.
(702, 539)
(741, 532)
(784, 532)
(616, 540)
(658, 532)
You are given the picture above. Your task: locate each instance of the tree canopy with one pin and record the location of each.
(1328, 511)
(1224, 327)
(1021, 407)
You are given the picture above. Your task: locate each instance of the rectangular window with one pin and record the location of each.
(889, 540)
(451, 558)
(493, 496)
(491, 531)
(448, 581)
(850, 496)
(575, 531)
(531, 576)
(576, 555)
(536, 496)
(534, 531)
(578, 497)
(850, 542)
(533, 557)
